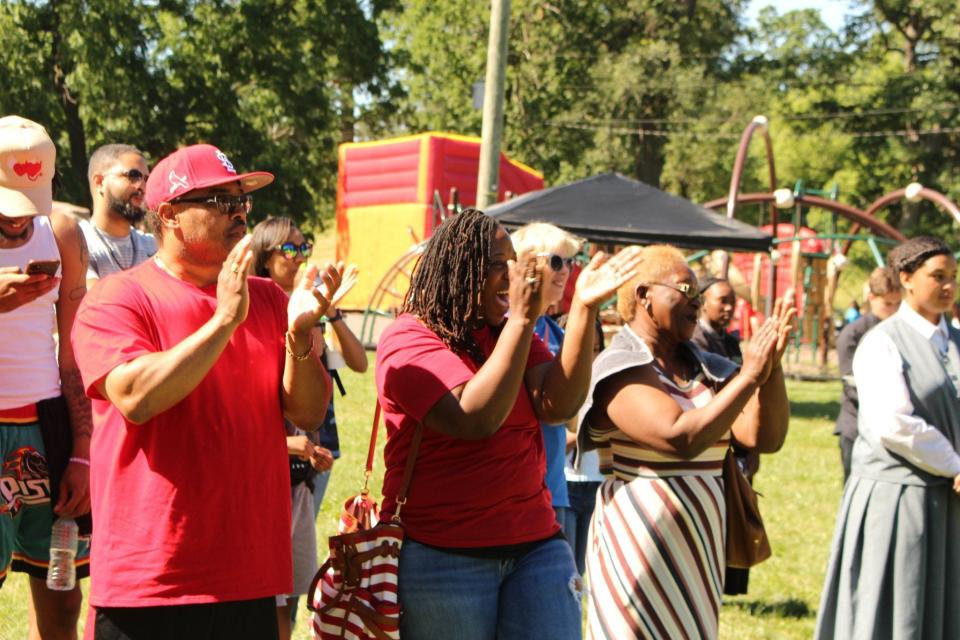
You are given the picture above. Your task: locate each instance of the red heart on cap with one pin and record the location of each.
(29, 169)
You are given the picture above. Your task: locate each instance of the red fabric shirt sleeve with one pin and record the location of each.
(109, 330)
(416, 369)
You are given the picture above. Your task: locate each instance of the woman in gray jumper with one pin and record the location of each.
(894, 568)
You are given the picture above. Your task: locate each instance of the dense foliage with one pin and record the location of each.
(656, 89)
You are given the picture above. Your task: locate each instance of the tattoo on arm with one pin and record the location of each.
(77, 403)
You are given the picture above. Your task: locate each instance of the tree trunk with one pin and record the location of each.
(649, 159)
(75, 182)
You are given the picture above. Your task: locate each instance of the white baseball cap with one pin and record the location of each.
(27, 164)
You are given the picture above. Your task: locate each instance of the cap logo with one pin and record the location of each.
(177, 182)
(29, 169)
(225, 161)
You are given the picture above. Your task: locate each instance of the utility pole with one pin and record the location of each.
(489, 174)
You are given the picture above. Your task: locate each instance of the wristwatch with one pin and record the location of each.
(336, 316)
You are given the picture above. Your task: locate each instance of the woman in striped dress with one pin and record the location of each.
(662, 414)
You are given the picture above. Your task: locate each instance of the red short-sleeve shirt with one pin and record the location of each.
(464, 493)
(192, 506)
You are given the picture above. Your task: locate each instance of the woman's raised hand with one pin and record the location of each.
(604, 275)
(783, 314)
(526, 286)
(350, 276)
(758, 356)
(308, 302)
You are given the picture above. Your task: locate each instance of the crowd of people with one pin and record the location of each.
(173, 375)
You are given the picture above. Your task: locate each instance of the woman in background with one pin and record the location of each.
(557, 249)
(894, 569)
(280, 251)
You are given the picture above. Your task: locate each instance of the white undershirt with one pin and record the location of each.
(28, 357)
(886, 416)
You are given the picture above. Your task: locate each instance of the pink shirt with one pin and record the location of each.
(192, 506)
(464, 493)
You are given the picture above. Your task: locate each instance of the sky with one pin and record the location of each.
(831, 11)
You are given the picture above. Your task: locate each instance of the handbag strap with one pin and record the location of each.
(408, 469)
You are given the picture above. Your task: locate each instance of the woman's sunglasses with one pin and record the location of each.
(689, 291)
(556, 262)
(290, 250)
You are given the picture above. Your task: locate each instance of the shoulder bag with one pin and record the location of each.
(354, 594)
(747, 543)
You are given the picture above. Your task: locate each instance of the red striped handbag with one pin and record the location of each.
(354, 594)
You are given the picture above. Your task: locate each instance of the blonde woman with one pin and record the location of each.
(556, 249)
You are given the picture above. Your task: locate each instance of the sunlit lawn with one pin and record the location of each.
(800, 487)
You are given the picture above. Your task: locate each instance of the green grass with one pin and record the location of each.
(801, 493)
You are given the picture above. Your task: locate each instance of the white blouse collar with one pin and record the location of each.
(920, 324)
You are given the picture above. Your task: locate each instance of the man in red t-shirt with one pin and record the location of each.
(184, 359)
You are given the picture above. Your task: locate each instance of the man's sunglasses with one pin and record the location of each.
(226, 205)
(133, 175)
(688, 290)
(556, 262)
(290, 250)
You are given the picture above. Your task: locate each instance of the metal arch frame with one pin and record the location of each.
(852, 213)
(759, 122)
(924, 194)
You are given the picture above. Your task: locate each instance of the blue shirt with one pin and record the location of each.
(554, 435)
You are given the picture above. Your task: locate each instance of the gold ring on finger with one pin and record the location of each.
(235, 268)
(531, 280)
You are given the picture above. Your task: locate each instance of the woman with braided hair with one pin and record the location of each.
(483, 556)
(894, 569)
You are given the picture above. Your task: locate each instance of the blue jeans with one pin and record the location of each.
(447, 595)
(576, 518)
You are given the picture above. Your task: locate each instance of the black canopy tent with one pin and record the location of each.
(616, 209)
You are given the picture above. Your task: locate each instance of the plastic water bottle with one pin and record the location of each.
(62, 571)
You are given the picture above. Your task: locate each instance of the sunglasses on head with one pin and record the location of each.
(290, 250)
(226, 205)
(133, 175)
(688, 290)
(556, 262)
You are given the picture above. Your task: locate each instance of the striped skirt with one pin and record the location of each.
(655, 558)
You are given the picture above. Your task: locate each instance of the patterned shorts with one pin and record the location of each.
(26, 515)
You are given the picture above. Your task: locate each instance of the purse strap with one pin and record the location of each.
(407, 470)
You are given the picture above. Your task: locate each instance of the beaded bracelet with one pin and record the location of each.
(288, 339)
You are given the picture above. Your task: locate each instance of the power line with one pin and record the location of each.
(824, 115)
(671, 133)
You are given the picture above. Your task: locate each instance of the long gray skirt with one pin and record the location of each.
(894, 568)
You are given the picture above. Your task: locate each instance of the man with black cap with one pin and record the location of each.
(44, 416)
(192, 366)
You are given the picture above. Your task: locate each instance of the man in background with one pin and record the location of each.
(45, 422)
(883, 299)
(117, 175)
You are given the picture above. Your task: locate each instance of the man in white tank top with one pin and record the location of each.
(45, 422)
(117, 175)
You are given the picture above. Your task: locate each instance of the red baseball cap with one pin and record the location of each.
(197, 167)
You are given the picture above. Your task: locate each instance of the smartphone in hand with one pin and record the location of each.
(47, 267)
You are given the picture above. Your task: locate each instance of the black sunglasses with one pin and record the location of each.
(290, 250)
(556, 262)
(133, 175)
(226, 205)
